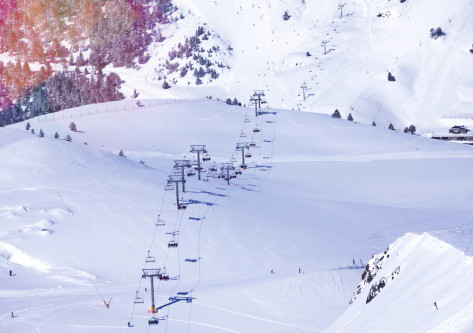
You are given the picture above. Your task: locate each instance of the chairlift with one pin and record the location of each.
(160, 222)
(212, 169)
(256, 130)
(206, 158)
(138, 299)
(169, 187)
(244, 166)
(190, 174)
(233, 159)
(247, 155)
(153, 321)
(246, 120)
(242, 134)
(150, 258)
(172, 243)
(252, 144)
(181, 207)
(238, 172)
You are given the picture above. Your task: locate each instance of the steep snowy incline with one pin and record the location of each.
(318, 194)
(422, 285)
(433, 76)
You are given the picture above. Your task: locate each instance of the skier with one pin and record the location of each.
(272, 271)
(11, 273)
(435, 303)
(354, 262)
(300, 270)
(12, 315)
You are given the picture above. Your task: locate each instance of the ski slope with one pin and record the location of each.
(318, 194)
(433, 77)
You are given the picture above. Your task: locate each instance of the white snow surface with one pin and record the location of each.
(434, 78)
(318, 194)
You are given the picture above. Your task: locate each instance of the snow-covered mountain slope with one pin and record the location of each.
(318, 194)
(433, 76)
(424, 284)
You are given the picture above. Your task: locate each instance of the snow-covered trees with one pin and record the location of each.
(391, 77)
(41, 133)
(56, 135)
(350, 117)
(68, 138)
(436, 33)
(121, 153)
(336, 114)
(166, 85)
(73, 126)
(373, 123)
(391, 127)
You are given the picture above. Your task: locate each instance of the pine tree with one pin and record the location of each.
(336, 114)
(350, 117)
(41, 133)
(68, 138)
(412, 129)
(32, 131)
(373, 124)
(166, 85)
(121, 153)
(391, 127)
(73, 127)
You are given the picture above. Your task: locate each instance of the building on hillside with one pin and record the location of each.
(458, 130)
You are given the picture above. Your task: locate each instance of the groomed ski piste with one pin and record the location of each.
(279, 249)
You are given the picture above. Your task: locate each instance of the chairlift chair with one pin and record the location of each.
(206, 158)
(169, 187)
(244, 166)
(252, 144)
(233, 160)
(181, 207)
(242, 134)
(247, 155)
(246, 120)
(256, 130)
(172, 243)
(190, 174)
(138, 299)
(153, 321)
(160, 222)
(150, 258)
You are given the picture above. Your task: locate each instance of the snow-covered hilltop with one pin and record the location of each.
(319, 194)
(433, 76)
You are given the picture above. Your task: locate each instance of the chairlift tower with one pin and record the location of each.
(227, 167)
(177, 179)
(257, 99)
(340, 6)
(304, 88)
(325, 46)
(182, 164)
(241, 146)
(151, 273)
(198, 149)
